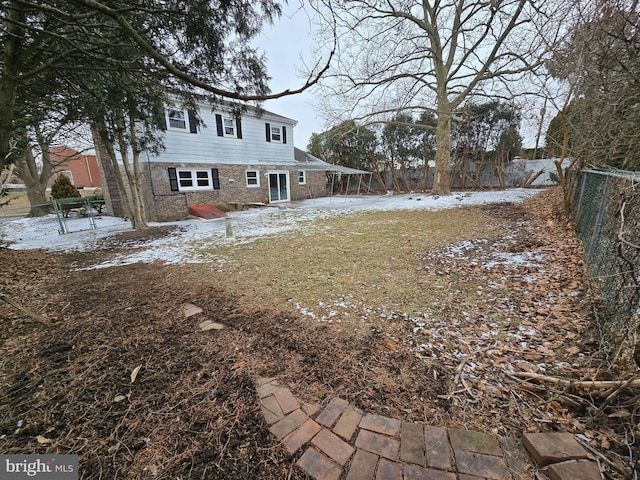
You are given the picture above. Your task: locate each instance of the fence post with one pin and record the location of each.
(583, 184)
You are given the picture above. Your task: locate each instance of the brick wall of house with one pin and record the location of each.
(164, 205)
(82, 168)
(315, 186)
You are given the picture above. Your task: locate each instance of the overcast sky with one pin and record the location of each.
(286, 44)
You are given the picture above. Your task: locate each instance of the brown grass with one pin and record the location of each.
(14, 204)
(356, 266)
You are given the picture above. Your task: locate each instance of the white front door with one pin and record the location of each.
(278, 187)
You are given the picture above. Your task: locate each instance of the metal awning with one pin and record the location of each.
(307, 161)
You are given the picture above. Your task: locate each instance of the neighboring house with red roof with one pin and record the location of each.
(80, 168)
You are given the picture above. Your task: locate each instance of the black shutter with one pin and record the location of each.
(216, 178)
(193, 121)
(219, 125)
(284, 134)
(173, 179)
(238, 127)
(268, 131)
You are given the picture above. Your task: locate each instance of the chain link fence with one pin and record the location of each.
(607, 209)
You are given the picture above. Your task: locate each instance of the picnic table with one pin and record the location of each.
(80, 204)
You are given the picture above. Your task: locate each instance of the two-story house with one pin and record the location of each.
(216, 155)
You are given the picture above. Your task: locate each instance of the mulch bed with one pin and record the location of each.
(191, 411)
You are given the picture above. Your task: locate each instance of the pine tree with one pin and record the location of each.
(63, 188)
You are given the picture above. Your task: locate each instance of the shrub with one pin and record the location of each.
(63, 188)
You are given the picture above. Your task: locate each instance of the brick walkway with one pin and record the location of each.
(338, 441)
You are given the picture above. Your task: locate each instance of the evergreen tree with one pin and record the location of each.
(63, 188)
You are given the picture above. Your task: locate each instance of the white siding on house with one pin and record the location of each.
(206, 147)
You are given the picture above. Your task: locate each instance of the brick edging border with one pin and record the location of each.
(341, 441)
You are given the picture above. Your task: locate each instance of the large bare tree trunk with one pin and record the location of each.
(35, 180)
(430, 52)
(441, 183)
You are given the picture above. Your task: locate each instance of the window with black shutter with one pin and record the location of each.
(177, 119)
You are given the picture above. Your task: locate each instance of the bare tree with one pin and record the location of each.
(403, 55)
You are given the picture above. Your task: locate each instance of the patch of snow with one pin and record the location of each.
(180, 246)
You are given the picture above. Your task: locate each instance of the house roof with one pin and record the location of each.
(309, 162)
(259, 112)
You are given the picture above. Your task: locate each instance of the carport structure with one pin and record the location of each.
(308, 162)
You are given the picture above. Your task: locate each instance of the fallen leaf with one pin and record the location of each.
(388, 344)
(620, 414)
(238, 365)
(134, 374)
(43, 440)
(190, 309)
(119, 398)
(209, 325)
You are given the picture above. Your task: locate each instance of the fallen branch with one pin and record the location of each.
(574, 401)
(614, 394)
(529, 179)
(35, 316)
(583, 384)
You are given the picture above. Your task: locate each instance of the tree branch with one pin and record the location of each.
(186, 77)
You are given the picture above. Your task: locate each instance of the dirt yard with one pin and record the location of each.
(133, 387)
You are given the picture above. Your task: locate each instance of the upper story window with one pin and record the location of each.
(177, 119)
(276, 134)
(181, 120)
(227, 126)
